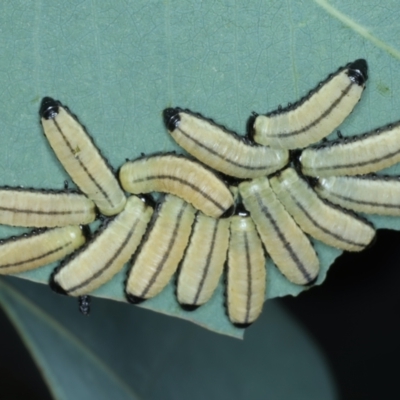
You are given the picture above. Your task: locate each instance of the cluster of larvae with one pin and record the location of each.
(240, 199)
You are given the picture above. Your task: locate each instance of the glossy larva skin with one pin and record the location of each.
(325, 222)
(162, 249)
(106, 253)
(246, 273)
(80, 157)
(203, 262)
(36, 208)
(358, 155)
(316, 115)
(288, 246)
(220, 149)
(34, 250)
(367, 194)
(181, 177)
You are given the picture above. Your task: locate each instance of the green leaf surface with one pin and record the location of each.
(123, 352)
(117, 64)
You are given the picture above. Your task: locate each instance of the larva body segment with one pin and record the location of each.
(37, 208)
(161, 251)
(34, 250)
(220, 149)
(366, 194)
(203, 262)
(181, 177)
(106, 253)
(317, 114)
(358, 155)
(246, 272)
(288, 246)
(323, 221)
(80, 157)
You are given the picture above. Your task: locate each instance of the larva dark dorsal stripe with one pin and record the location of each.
(220, 149)
(106, 253)
(316, 115)
(325, 222)
(288, 246)
(180, 176)
(367, 194)
(38, 208)
(80, 157)
(203, 262)
(246, 273)
(34, 250)
(161, 251)
(358, 155)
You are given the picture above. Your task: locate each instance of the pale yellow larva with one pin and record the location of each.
(162, 249)
(106, 253)
(246, 272)
(38, 208)
(203, 262)
(39, 248)
(317, 114)
(80, 157)
(220, 149)
(180, 176)
(323, 221)
(357, 155)
(288, 246)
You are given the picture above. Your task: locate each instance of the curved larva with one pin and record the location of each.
(288, 246)
(177, 175)
(323, 221)
(203, 262)
(220, 149)
(38, 208)
(161, 251)
(367, 194)
(106, 253)
(317, 114)
(246, 272)
(358, 155)
(36, 249)
(80, 157)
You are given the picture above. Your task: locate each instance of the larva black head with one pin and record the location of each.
(358, 71)
(242, 326)
(84, 304)
(49, 108)
(54, 286)
(310, 283)
(171, 118)
(134, 299)
(250, 126)
(189, 307)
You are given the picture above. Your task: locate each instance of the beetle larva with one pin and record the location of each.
(39, 208)
(161, 251)
(358, 155)
(39, 248)
(246, 272)
(317, 114)
(179, 176)
(368, 194)
(203, 262)
(220, 149)
(106, 254)
(80, 157)
(288, 246)
(324, 221)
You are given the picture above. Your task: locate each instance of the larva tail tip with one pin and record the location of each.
(310, 283)
(55, 287)
(134, 299)
(48, 108)
(189, 307)
(358, 71)
(171, 118)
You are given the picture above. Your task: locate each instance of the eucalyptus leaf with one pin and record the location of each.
(123, 352)
(117, 64)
